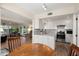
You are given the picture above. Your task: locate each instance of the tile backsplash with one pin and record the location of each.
(49, 32)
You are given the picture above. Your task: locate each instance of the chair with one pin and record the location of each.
(3, 39)
(13, 43)
(74, 50)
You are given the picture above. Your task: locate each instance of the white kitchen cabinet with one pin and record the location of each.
(69, 38)
(35, 38)
(44, 39)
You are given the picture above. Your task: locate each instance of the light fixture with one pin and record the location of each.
(29, 28)
(1, 30)
(44, 6)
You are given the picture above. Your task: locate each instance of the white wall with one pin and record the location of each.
(0, 16)
(74, 29)
(53, 24)
(0, 32)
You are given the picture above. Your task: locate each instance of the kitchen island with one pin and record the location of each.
(44, 39)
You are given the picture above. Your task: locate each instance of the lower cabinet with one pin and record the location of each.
(44, 39)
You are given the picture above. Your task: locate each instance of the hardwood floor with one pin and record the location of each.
(62, 49)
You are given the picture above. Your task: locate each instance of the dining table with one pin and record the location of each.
(33, 49)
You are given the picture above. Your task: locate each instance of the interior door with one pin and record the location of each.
(77, 30)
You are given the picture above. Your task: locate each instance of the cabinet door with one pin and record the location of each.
(51, 42)
(35, 39)
(40, 40)
(44, 40)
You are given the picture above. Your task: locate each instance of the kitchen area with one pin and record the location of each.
(50, 30)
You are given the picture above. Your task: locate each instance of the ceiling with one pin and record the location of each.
(61, 17)
(36, 8)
